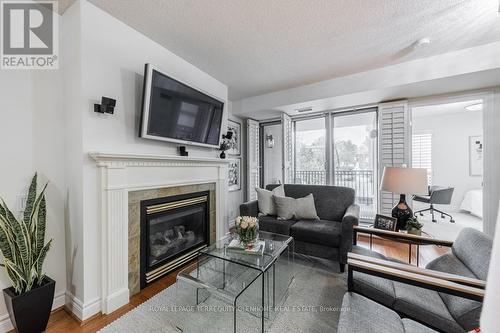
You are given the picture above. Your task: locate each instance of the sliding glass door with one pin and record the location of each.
(331, 149)
(310, 152)
(354, 156)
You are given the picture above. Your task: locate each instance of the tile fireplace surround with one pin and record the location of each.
(124, 174)
(134, 223)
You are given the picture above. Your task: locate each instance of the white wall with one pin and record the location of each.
(273, 166)
(73, 157)
(110, 62)
(30, 136)
(491, 162)
(450, 150)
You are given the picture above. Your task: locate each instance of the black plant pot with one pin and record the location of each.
(29, 312)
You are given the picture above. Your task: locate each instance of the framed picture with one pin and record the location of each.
(385, 222)
(234, 176)
(235, 143)
(476, 155)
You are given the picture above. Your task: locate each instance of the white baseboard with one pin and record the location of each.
(6, 324)
(116, 300)
(80, 310)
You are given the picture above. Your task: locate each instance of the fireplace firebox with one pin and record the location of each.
(173, 230)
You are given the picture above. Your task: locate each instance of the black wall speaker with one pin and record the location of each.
(183, 151)
(107, 105)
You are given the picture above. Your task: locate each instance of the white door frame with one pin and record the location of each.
(490, 177)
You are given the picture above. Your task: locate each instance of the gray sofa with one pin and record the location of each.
(469, 257)
(331, 237)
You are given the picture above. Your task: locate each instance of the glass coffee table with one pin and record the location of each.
(242, 292)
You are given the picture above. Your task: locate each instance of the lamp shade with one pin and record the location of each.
(404, 180)
(491, 305)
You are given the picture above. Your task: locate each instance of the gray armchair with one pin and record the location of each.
(363, 315)
(446, 295)
(331, 237)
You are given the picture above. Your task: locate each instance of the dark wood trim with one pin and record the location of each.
(466, 281)
(417, 280)
(402, 237)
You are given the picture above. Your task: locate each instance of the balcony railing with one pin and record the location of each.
(310, 177)
(362, 181)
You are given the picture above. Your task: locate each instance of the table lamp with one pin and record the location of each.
(404, 181)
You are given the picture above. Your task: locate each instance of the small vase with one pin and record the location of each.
(248, 238)
(222, 155)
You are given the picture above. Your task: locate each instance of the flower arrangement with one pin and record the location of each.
(247, 229)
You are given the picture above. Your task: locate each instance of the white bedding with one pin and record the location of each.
(473, 202)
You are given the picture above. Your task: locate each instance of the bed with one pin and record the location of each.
(473, 202)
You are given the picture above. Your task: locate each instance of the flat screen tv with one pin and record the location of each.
(175, 112)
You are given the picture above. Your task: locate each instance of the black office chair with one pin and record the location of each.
(437, 195)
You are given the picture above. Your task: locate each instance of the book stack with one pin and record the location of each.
(255, 248)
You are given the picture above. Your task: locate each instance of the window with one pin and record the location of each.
(422, 153)
(310, 150)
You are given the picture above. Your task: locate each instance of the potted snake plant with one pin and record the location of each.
(23, 247)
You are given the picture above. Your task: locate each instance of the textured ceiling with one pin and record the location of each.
(260, 46)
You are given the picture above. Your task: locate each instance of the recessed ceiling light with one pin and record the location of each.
(474, 107)
(421, 42)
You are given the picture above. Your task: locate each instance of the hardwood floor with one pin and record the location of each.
(401, 251)
(61, 321)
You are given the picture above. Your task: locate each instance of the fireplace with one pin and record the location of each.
(173, 229)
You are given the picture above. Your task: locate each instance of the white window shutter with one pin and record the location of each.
(394, 145)
(253, 159)
(421, 153)
(288, 170)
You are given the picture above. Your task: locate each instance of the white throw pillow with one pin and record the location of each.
(300, 209)
(266, 201)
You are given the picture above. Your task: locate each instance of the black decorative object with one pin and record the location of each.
(385, 222)
(29, 312)
(228, 135)
(225, 144)
(183, 151)
(107, 105)
(402, 212)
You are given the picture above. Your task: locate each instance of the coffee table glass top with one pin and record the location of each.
(275, 245)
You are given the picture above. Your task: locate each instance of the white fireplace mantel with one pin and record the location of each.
(122, 173)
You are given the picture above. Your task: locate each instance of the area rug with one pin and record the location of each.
(313, 304)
